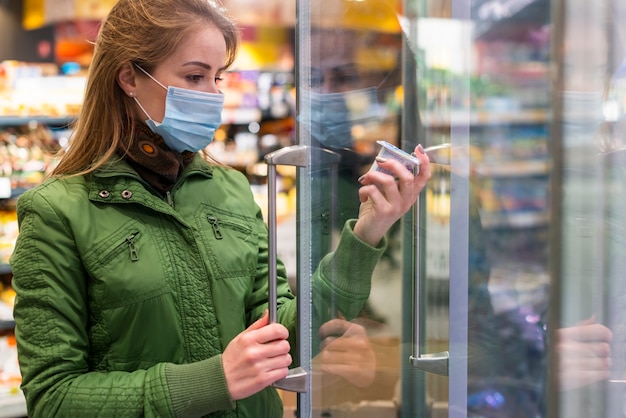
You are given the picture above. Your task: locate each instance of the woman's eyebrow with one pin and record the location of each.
(204, 65)
(198, 63)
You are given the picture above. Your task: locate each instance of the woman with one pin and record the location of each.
(141, 268)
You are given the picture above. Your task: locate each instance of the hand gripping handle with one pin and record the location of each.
(297, 379)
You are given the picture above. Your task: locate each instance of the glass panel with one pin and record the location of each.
(474, 75)
(509, 139)
(483, 85)
(591, 281)
(349, 97)
(426, 120)
(520, 199)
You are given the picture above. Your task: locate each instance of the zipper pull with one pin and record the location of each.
(216, 226)
(168, 198)
(134, 256)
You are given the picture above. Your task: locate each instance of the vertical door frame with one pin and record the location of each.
(557, 14)
(304, 204)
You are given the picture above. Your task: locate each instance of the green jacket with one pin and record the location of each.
(125, 300)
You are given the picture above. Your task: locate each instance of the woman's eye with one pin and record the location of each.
(195, 77)
(218, 79)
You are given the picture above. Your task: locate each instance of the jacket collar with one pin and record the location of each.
(118, 182)
(120, 168)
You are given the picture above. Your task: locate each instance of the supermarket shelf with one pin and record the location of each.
(514, 169)
(229, 116)
(241, 116)
(12, 406)
(15, 193)
(6, 326)
(476, 118)
(515, 219)
(25, 120)
(5, 269)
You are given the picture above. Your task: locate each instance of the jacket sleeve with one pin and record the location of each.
(52, 320)
(345, 275)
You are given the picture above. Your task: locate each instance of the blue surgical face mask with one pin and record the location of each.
(191, 117)
(334, 114)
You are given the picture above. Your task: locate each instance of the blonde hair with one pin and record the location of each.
(145, 32)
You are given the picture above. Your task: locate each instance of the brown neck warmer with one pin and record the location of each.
(155, 162)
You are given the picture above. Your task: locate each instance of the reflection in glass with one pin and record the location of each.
(353, 98)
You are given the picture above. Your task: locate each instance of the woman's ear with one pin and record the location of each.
(126, 78)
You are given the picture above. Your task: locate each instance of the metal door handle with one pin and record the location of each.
(297, 155)
(437, 362)
(439, 154)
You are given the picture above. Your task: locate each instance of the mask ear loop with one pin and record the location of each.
(149, 75)
(141, 107)
(379, 88)
(153, 79)
(388, 75)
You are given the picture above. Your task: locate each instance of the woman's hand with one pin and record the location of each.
(385, 198)
(584, 352)
(256, 358)
(347, 352)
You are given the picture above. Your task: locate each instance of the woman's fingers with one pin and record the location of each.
(256, 358)
(386, 198)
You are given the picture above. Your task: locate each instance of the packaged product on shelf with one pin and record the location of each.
(27, 154)
(8, 234)
(10, 378)
(36, 90)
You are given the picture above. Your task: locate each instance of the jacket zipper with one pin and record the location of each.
(168, 198)
(216, 226)
(134, 256)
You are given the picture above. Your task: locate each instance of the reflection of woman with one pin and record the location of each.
(141, 269)
(347, 352)
(346, 95)
(584, 354)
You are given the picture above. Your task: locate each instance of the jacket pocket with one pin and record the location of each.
(231, 242)
(126, 244)
(125, 267)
